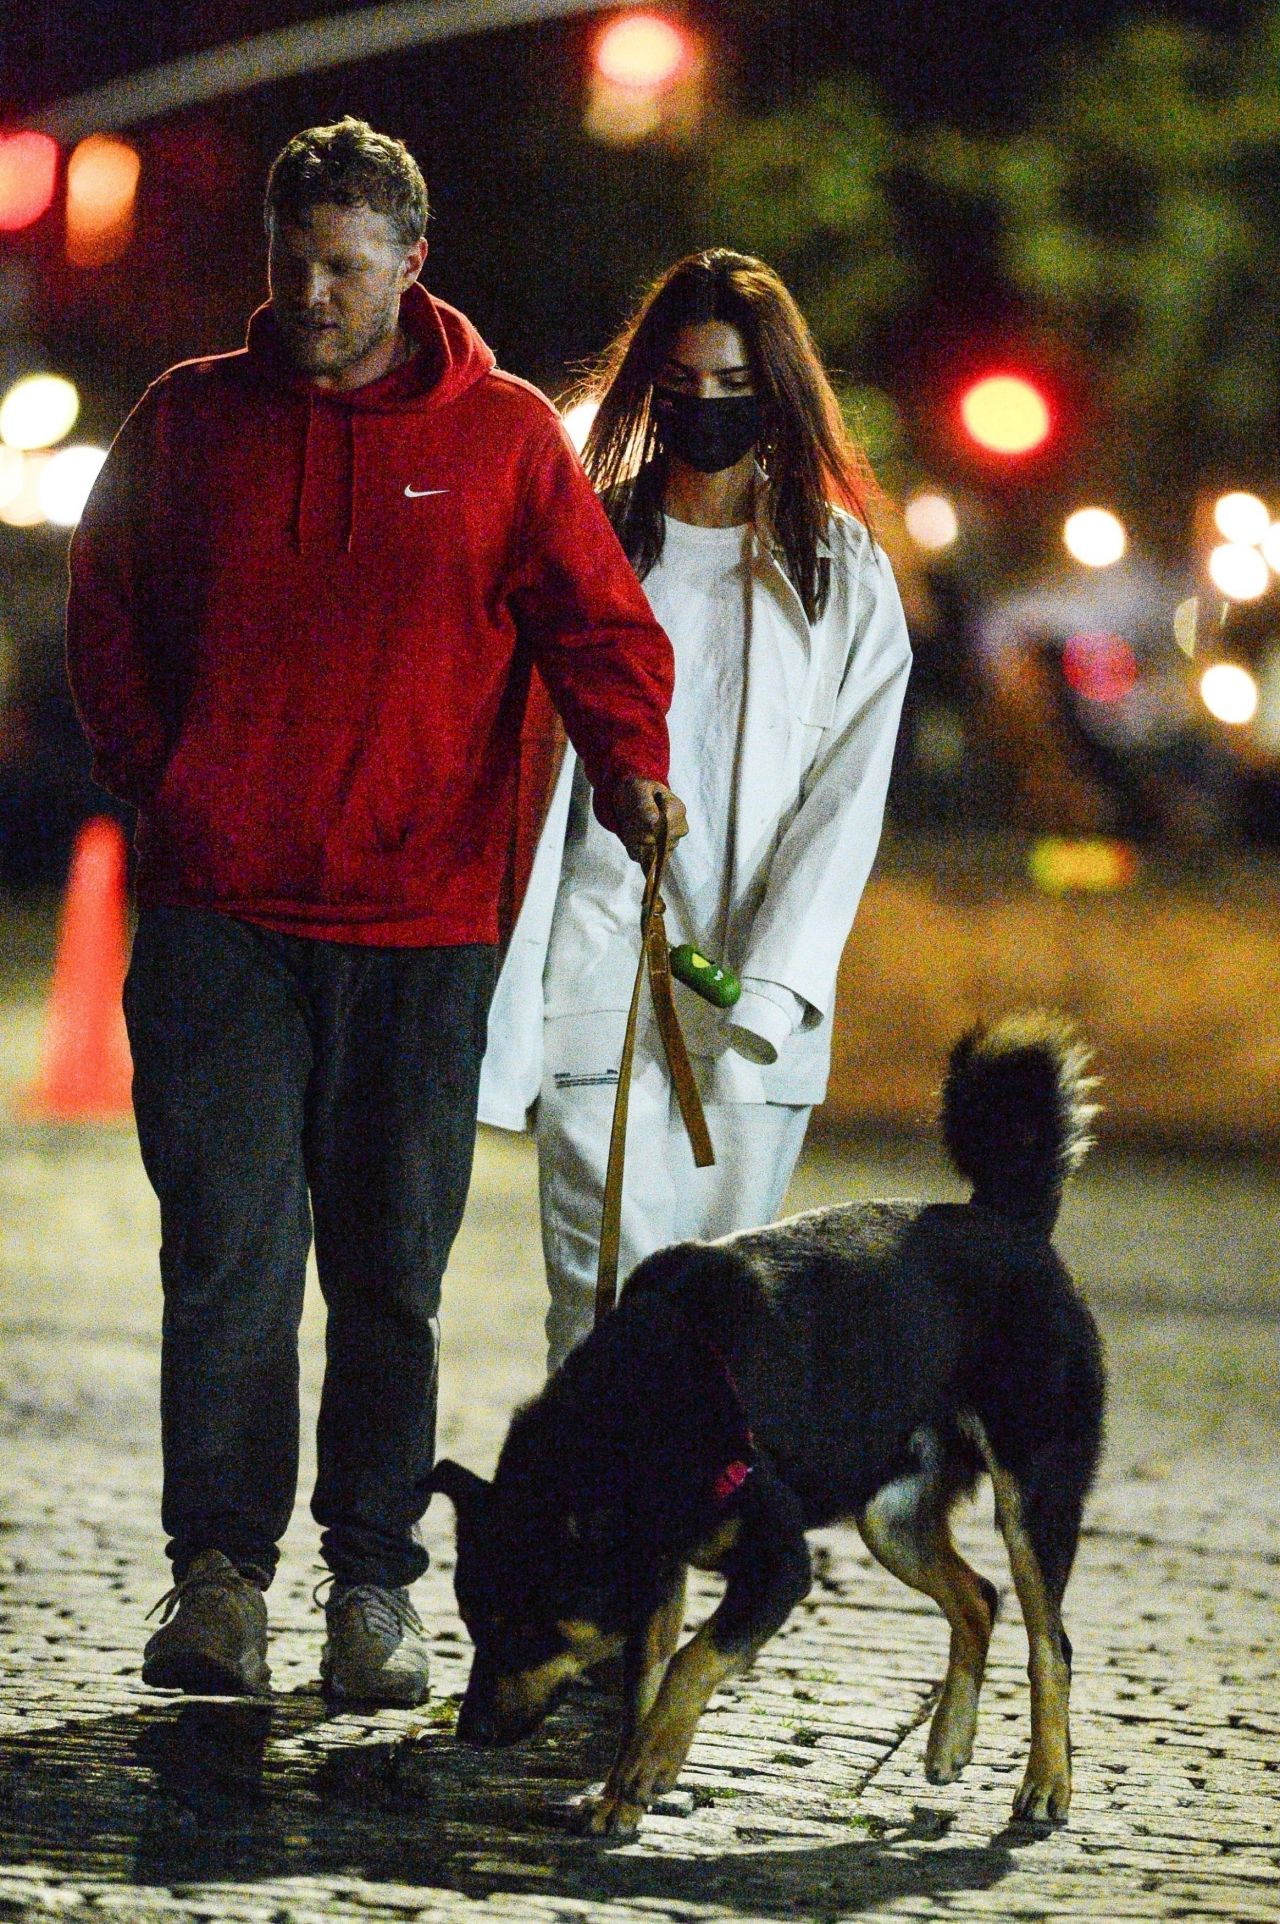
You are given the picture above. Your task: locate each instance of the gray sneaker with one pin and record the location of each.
(376, 1649)
(212, 1639)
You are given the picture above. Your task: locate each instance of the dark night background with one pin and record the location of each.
(1057, 184)
(520, 198)
(932, 57)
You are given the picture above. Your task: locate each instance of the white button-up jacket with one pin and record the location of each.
(820, 717)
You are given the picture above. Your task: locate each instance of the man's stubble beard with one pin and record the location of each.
(333, 353)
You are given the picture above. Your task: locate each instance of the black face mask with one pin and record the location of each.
(708, 434)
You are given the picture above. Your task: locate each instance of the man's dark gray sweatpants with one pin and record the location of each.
(281, 1082)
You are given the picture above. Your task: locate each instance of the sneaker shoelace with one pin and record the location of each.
(383, 1612)
(203, 1580)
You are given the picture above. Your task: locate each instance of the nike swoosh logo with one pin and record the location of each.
(416, 494)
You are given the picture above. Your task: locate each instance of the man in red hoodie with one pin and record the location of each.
(308, 596)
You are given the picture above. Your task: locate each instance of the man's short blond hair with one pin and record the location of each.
(348, 164)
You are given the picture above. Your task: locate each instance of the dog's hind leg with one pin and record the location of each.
(1040, 1539)
(905, 1526)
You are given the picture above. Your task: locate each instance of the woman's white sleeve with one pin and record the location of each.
(511, 1073)
(822, 862)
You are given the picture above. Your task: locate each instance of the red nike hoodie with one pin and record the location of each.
(302, 628)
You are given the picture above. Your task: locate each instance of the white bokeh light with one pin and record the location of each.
(13, 474)
(24, 508)
(577, 421)
(1239, 572)
(65, 483)
(1095, 537)
(1239, 516)
(38, 411)
(932, 522)
(1230, 693)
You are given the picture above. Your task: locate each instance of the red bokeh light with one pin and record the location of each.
(640, 50)
(1006, 413)
(1099, 667)
(28, 176)
(102, 183)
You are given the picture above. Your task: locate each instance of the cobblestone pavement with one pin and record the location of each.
(805, 1794)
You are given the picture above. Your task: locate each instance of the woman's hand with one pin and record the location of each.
(634, 805)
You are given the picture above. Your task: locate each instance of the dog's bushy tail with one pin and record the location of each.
(1016, 1113)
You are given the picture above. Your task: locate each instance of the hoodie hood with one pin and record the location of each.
(451, 357)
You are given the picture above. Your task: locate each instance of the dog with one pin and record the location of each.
(869, 1361)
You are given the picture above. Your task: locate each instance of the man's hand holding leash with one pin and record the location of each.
(635, 805)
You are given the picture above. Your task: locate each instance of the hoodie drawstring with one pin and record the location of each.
(300, 500)
(304, 478)
(352, 443)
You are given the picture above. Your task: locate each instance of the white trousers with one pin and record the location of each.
(665, 1198)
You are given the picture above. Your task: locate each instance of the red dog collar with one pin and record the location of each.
(739, 1467)
(730, 1481)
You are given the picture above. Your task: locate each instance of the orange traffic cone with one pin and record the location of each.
(86, 1073)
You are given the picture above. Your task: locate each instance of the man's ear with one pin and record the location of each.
(414, 262)
(465, 1490)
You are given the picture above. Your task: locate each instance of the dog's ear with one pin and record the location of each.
(716, 1289)
(465, 1490)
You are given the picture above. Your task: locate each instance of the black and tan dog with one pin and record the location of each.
(869, 1361)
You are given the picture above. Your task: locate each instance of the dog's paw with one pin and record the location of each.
(646, 1769)
(944, 1761)
(952, 1732)
(1045, 1797)
(609, 1815)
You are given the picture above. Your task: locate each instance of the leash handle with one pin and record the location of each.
(658, 955)
(657, 866)
(655, 962)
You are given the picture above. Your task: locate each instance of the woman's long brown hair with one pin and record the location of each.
(805, 449)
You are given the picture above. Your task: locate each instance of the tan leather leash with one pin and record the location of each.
(655, 961)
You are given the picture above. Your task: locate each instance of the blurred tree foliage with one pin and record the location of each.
(1137, 219)
(808, 188)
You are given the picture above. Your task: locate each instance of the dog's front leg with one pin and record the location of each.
(646, 1658)
(761, 1552)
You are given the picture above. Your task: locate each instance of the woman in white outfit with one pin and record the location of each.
(727, 472)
